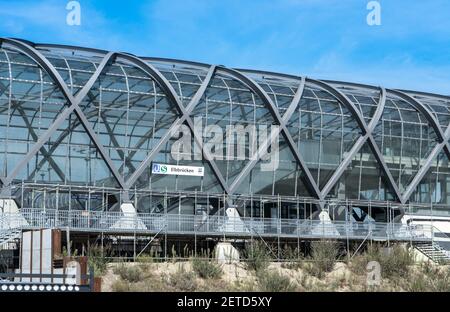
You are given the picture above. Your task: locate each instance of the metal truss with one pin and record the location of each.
(443, 139)
(358, 145)
(73, 102)
(367, 137)
(256, 88)
(263, 149)
(170, 92)
(184, 117)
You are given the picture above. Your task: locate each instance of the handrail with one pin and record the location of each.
(150, 223)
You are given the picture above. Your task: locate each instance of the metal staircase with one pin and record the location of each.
(9, 235)
(434, 252)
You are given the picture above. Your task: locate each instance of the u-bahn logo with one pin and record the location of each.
(157, 168)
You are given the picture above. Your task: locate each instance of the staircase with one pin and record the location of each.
(434, 252)
(9, 235)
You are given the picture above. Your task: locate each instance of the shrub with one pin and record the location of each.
(131, 274)
(206, 268)
(183, 280)
(293, 258)
(257, 256)
(430, 278)
(323, 255)
(394, 262)
(273, 281)
(120, 286)
(97, 260)
(145, 259)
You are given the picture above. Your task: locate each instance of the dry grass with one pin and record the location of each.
(399, 274)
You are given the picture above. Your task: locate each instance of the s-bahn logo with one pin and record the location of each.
(177, 170)
(157, 168)
(256, 142)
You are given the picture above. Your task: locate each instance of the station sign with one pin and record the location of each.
(177, 170)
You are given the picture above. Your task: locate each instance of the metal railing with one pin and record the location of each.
(146, 223)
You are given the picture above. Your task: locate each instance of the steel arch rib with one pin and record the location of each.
(74, 102)
(422, 109)
(257, 89)
(173, 97)
(366, 131)
(357, 146)
(442, 144)
(262, 150)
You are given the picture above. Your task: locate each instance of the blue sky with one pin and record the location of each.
(325, 39)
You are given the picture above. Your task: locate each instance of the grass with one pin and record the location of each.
(257, 256)
(182, 280)
(131, 274)
(395, 262)
(323, 255)
(206, 268)
(319, 272)
(429, 278)
(273, 281)
(97, 259)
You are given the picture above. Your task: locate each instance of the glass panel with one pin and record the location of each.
(405, 139)
(363, 179)
(324, 132)
(69, 156)
(435, 186)
(129, 113)
(230, 115)
(207, 183)
(28, 111)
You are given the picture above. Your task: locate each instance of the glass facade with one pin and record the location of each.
(342, 141)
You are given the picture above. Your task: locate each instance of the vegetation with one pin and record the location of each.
(394, 261)
(131, 274)
(97, 259)
(323, 257)
(293, 258)
(257, 256)
(320, 271)
(273, 281)
(182, 280)
(206, 268)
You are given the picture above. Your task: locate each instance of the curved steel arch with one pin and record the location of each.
(366, 132)
(344, 100)
(258, 90)
(423, 110)
(358, 145)
(28, 48)
(73, 106)
(443, 143)
(173, 97)
(262, 150)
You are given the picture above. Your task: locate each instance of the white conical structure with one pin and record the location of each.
(233, 222)
(130, 220)
(10, 216)
(325, 228)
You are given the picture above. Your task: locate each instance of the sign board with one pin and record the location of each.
(177, 170)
